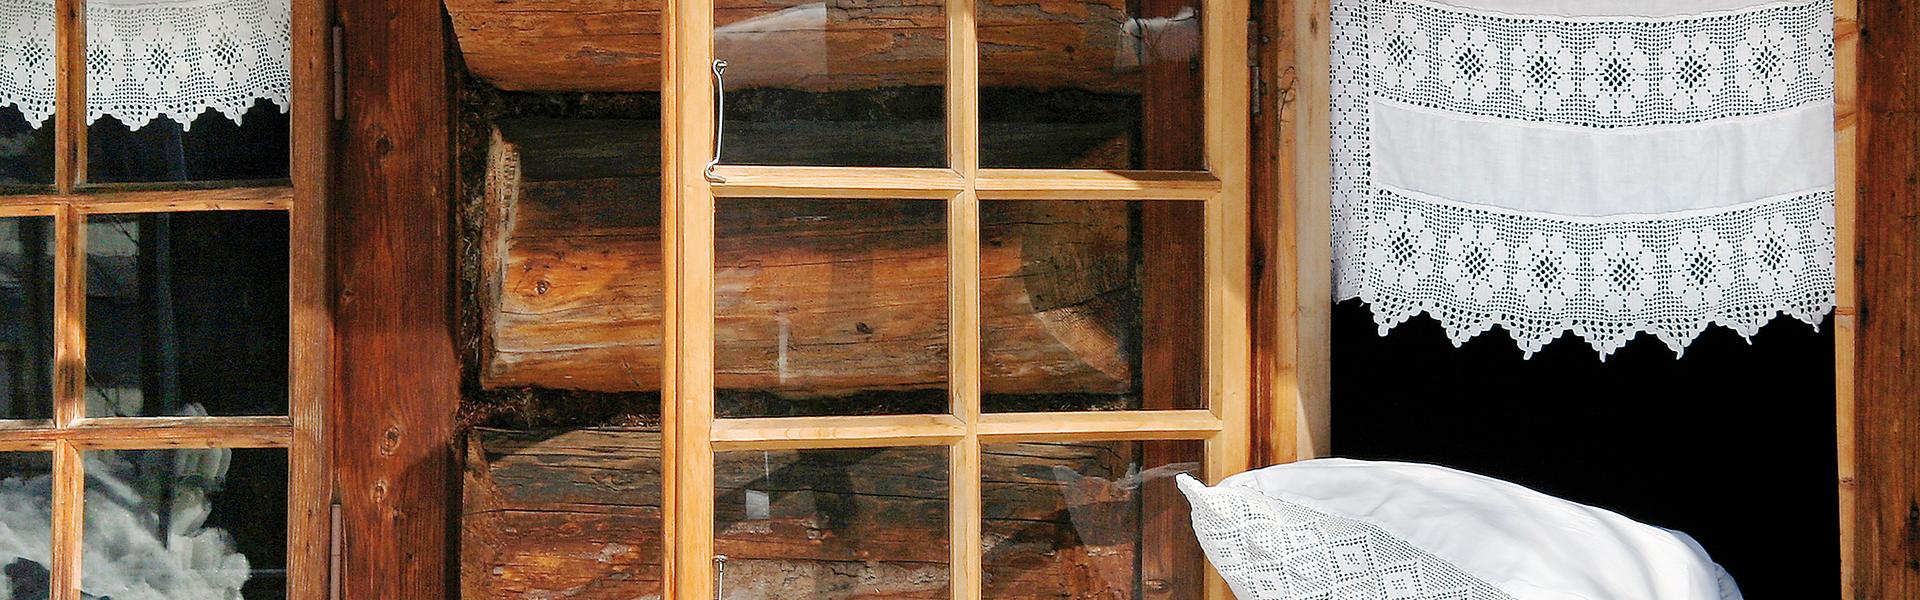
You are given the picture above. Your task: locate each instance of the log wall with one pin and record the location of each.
(614, 45)
(576, 514)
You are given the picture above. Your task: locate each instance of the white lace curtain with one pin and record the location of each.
(1600, 167)
(152, 58)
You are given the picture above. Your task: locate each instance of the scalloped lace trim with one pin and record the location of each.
(152, 59)
(1603, 279)
(1541, 276)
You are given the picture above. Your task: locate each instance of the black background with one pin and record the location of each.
(1733, 442)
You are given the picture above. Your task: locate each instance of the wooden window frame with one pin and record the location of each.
(1291, 200)
(692, 432)
(303, 197)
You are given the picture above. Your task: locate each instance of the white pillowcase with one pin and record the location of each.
(1347, 529)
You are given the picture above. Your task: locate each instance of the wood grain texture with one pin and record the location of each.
(610, 45)
(576, 513)
(1887, 514)
(572, 278)
(396, 383)
(1846, 310)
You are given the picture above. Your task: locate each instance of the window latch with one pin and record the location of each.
(719, 118)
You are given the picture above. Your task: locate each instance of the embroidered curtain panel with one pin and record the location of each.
(1600, 167)
(152, 58)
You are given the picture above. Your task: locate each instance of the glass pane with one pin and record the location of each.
(199, 523)
(26, 318)
(830, 307)
(26, 525)
(1089, 520)
(834, 83)
(26, 93)
(26, 147)
(1106, 84)
(187, 91)
(1093, 305)
(187, 314)
(837, 524)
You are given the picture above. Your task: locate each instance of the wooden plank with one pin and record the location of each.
(8, 210)
(836, 182)
(142, 433)
(70, 95)
(1886, 530)
(731, 435)
(1081, 184)
(1298, 260)
(607, 45)
(396, 387)
(69, 318)
(1846, 310)
(688, 377)
(1109, 426)
(310, 533)
(69, 493)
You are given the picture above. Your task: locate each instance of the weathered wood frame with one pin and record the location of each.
(693, 434)
(72, 200)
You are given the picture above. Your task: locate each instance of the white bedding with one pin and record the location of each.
(1348, 529)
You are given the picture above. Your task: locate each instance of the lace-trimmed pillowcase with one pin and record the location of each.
(1335, 528)
(1604, 168)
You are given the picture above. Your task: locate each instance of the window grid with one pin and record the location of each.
(694, 434)
(72, 201)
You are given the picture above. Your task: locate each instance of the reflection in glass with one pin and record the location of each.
(215, 148)
(834, 83)
(26, 149)
(26, 525)
(835, 524)
(26, 318)
(830, 307)
(187, 314)
(194, 523)
(1092, 305)
(1089, 520)
(1097, 84)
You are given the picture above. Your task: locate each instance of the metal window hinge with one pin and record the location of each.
(336, 553)
(339, 77)
(1256, 46)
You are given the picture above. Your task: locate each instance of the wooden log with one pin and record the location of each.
(608, 45)
(815, 298)
(576, 514)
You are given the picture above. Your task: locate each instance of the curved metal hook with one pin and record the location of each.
(719, 116)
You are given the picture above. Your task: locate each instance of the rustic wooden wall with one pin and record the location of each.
(1887, 515)
(396, 384)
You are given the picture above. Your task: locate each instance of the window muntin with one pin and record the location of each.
(269, 433)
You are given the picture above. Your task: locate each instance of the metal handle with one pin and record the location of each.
(720, 577)
(719, 120)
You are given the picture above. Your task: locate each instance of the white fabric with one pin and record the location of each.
(153, 58)
(1602, 168)
(1364, 530)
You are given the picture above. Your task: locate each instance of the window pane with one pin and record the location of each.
(830, 307)
(187, 314)
(1110, 84)
(26, 93)
(834, 83)
(1092, 305)
(26, 525)
(187, 91)
(26, 148)
(198, 523)
(1089, 520)
(26, 318)
(847, 523)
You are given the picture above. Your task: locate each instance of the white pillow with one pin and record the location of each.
(1347, 529)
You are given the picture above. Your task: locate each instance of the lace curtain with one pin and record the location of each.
(1602, 167)
(152, 58)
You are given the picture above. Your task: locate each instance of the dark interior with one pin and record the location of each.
(1732, 443)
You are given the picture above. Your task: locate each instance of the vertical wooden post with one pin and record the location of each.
(686, 201)
(1886, 532)
(1846, 310)
(396, 385)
